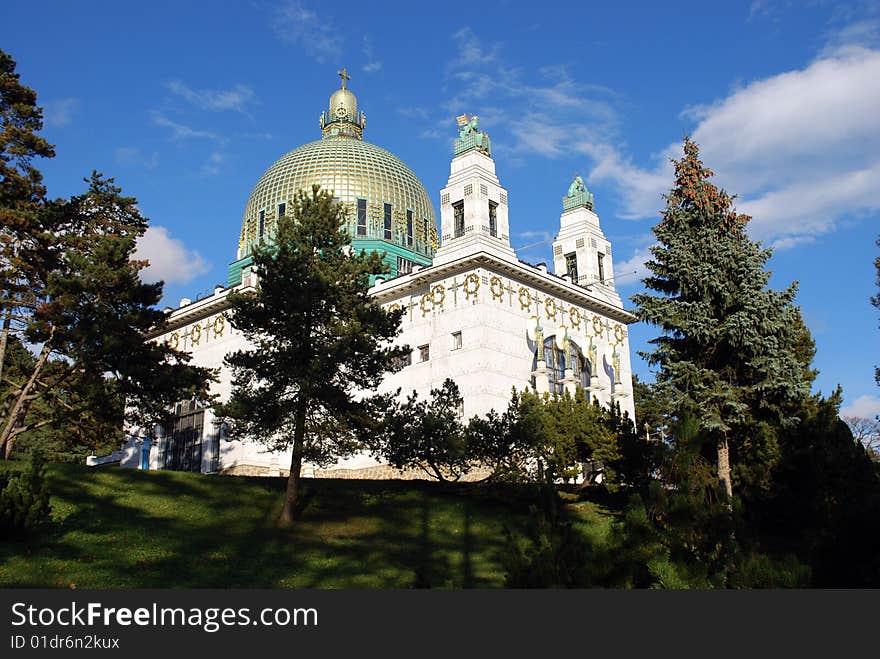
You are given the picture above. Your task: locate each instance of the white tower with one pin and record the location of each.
(473, 205)
(581, 252)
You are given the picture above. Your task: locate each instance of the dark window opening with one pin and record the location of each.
(387, 221)
(601, 267)
(282, 209)
(493, 219)
(571, 266)
(262, 222)
(409, 228)
(424, 353)
(404, 266)
(458, 215)
(362, 217)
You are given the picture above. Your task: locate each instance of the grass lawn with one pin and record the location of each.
(121, 528)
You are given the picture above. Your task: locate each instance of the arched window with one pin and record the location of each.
(557, 360)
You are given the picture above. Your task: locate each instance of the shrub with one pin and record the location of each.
(24, 499)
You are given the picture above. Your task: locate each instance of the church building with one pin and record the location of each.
(473, 311)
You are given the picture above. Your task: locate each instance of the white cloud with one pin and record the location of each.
(214, 164)
(181, 131)
(865, 407)
(295, 23)
(170, 260)
(236, 99)
(801, 149)
(633, 269)
(373, 63)
(60, 112)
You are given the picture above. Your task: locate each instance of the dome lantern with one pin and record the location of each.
(342, 118)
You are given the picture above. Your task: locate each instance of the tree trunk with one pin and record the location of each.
(724, 466)
(291, 497)
(20, 408)
(7, 321)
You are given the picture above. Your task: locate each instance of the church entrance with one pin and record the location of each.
(183, 441)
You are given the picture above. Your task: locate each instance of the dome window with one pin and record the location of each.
(409, 228)
(362, 217)
(387, 220)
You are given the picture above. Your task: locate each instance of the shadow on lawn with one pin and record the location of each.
(160, 530)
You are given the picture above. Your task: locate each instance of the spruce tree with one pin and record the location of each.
(319, 341)
(732, 349)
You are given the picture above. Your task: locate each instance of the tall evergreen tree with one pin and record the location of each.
(21, 194)
(731, 348)
(90, 317)
(319, 340)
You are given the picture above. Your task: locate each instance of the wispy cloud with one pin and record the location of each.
(181, 131)
(127, 155)
(373, 63)
(60, 112)
(170, 260)
(865, 407)
(295, 23)
(214, 164)
(801, 149)
(237, 99)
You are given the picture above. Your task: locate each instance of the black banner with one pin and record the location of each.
(418, 623)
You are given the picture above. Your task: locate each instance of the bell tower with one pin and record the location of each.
(473, 205)
(581, 252)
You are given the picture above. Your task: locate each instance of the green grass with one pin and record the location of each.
(120, 528)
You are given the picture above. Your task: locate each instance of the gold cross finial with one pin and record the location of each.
(344, 75)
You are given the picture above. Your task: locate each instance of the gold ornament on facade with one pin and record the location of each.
(619, 334)
(394, 307)
(219, 326)
(471, 285)
(174, 341)
(597, 326)
(525, 298)
(550, 308)
(496, 288)
(195, 335)
(434, 298)
(575, 317)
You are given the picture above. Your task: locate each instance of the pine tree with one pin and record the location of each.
(21, 194)
(731, 348)
(318, 340)
(90, 318)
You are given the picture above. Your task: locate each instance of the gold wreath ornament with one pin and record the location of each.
(496, 288)
(174, 341)
(471, 285)
(550, 308)
(597, 325)
(575, 317)
(219, 325)
(619, 333)
(195, 334)
(525, 298)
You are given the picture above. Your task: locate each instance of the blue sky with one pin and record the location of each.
(187, 103)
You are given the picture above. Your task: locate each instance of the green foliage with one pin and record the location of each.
(318, 339)
(730, 347)
(825, 500)
(553, 554)
(426, 434)
(24, 499)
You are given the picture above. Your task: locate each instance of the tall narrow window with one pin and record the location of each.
(262, 222)
(387, 221)
(282, 209)
(493, 219)
(362, 217)
(409, 228)
(456, 340)
(458, 215)
(424, 353)
(427, 233)
(571, 266)
(601, 267)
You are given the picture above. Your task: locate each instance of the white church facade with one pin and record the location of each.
(473, 311)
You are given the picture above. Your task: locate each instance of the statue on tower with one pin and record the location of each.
(470, 136)
(578, 195)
